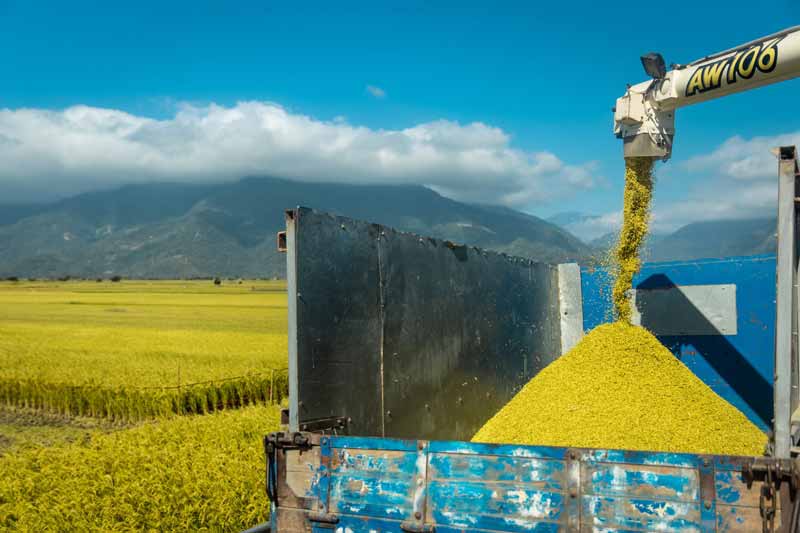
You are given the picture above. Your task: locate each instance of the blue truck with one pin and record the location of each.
(401, 347)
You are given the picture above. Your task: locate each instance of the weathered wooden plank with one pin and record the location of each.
(362, 524)
(732, 490)
(587, 528)
(461, 522)
(511, 450)
(369, 443)
(544, 474)
(735, 519)
(345, 460)
(639, 481)
(301, 470)
(302, 461)
(641, 514)
(367, 509)
(291, 521)
(510, 500)
(634, 457)
(375, 487)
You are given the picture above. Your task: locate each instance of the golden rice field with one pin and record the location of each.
(181, 474)
(88, 369)
(138, 349)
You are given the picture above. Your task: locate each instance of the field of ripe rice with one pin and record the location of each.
(138, 349)
(181, 474)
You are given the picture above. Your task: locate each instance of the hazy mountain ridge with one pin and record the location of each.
(716, 238)
(698, 240)
(174, 231)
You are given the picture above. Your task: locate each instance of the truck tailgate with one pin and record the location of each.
(355, 484)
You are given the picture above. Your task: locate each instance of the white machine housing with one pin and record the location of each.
(644, 116)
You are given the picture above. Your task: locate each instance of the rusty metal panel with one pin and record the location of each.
(411, 336)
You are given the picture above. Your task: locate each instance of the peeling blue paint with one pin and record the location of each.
(471, 488)
(727, 486)
(549, 473)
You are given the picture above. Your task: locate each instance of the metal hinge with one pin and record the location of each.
(281, 441)
(296, 440)
(324, 520)
(417, 527)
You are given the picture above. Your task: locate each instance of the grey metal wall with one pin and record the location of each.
(411, 336)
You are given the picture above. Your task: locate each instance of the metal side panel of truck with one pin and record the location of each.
(401, 347)
(365, 485)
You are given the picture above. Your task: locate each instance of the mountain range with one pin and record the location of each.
(166, 230)
(706, 239)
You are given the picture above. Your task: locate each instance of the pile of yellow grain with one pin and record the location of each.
(619, 387)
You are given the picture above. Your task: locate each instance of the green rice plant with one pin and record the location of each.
(182, 474)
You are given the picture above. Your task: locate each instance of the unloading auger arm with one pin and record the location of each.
(644, 116)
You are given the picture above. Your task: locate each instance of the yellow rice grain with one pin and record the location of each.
(620, 388)
(635, 219)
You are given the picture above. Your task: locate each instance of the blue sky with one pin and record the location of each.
(545, 75)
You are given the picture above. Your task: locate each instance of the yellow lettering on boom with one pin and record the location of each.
(732, 67)
(767, 59)
(695, 83)
(747, 65)
(743, 64)
(712, 75)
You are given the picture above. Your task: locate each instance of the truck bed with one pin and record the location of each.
(372, 484)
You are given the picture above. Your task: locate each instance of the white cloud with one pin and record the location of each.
(708, 203)
(738, 180)
(744, 159)
(592, 227)
(376, 91)
(718, 201)
(83, 148)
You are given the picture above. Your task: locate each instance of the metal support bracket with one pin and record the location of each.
(708, 496)
(572, 460)
(323, 519)
(415, 527)
(332, 424)
(416, 524)
(787, 371)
